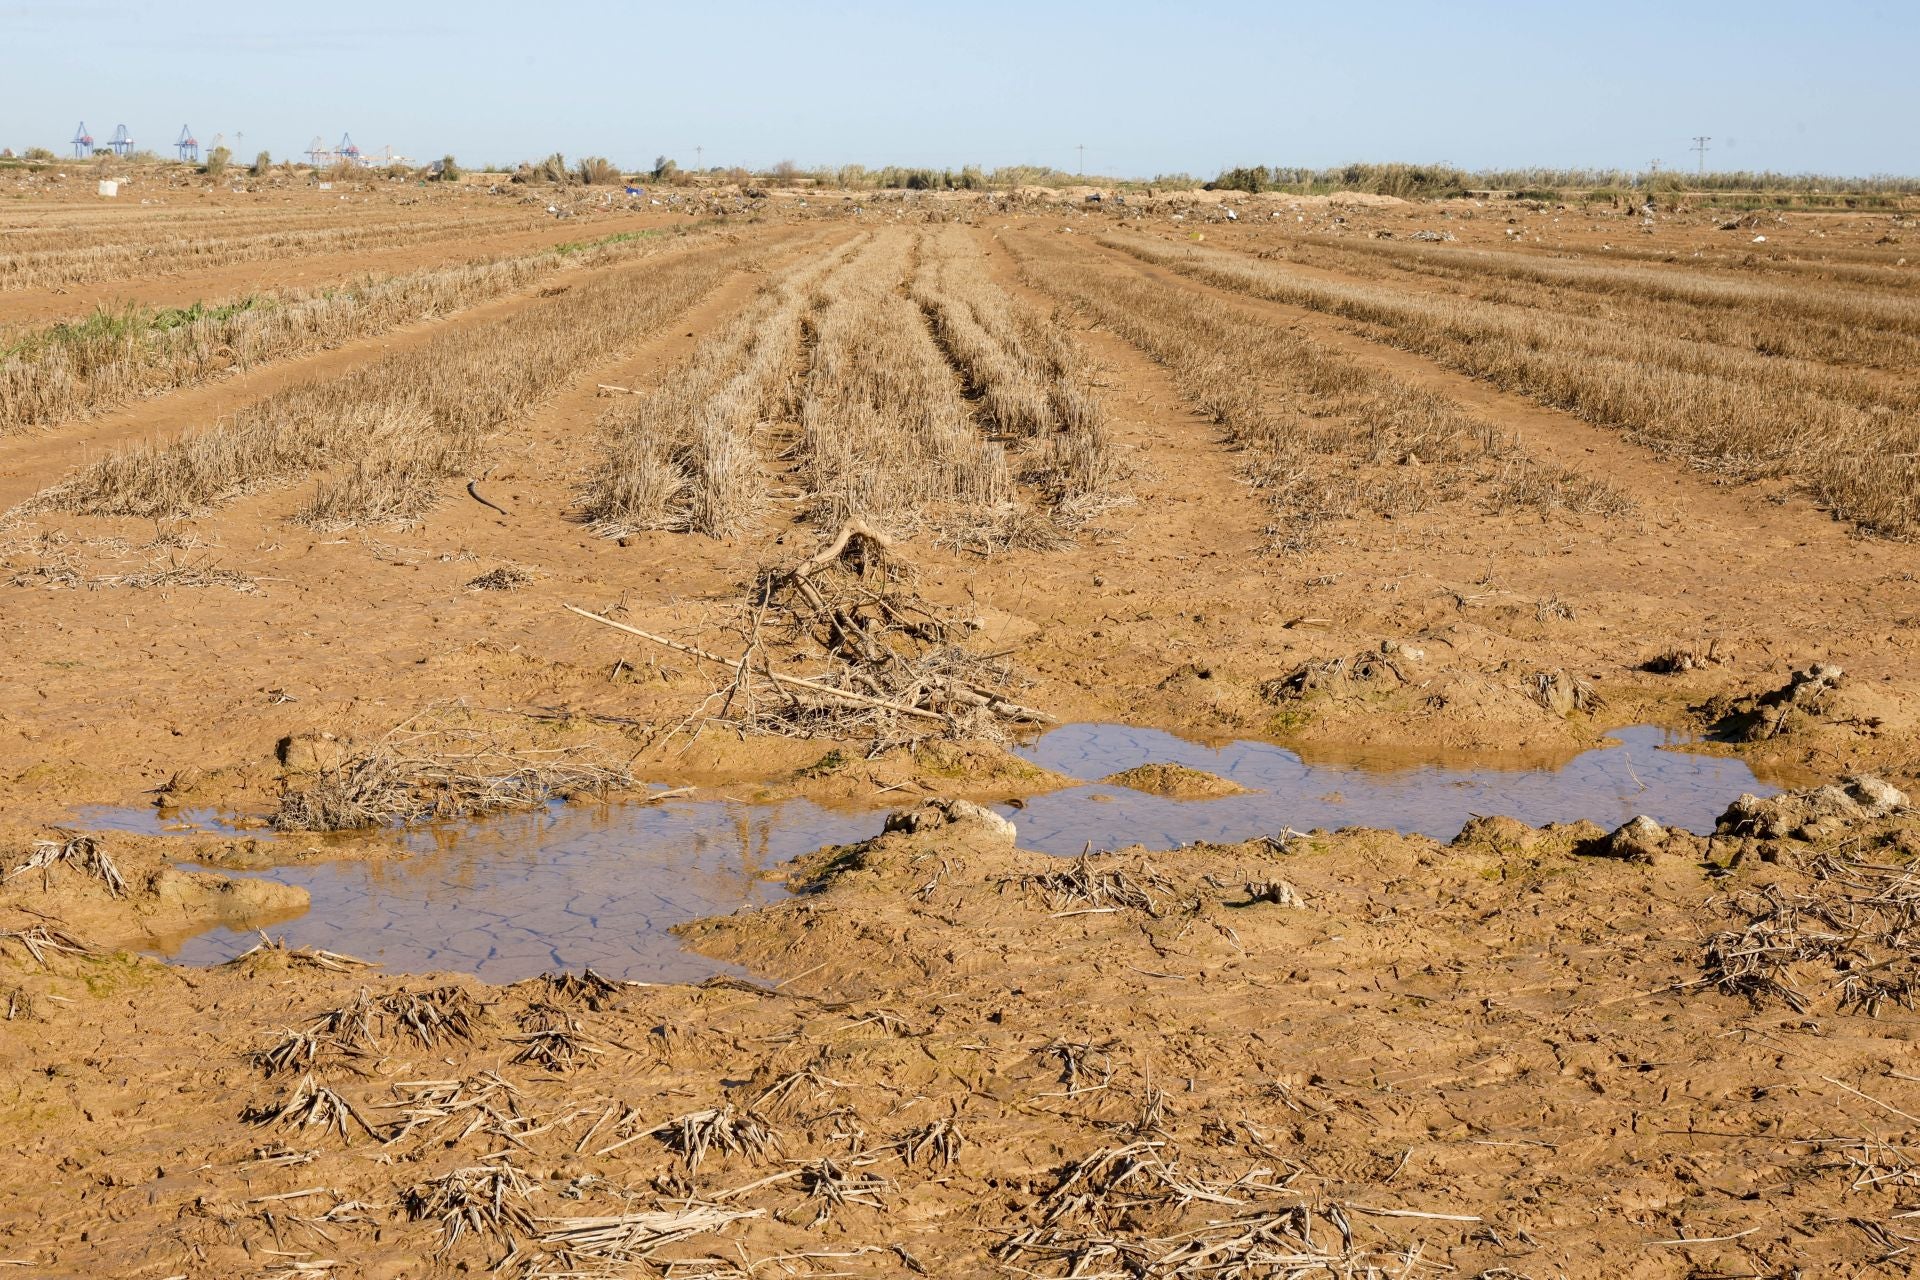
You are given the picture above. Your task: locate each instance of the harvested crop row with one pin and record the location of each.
(117, 354)
(1323, 437)
(837, 348)
(884, 433)
(1029, 380)
(684, 457)
(1744, 415)
(109, 225)
(1810, 320)
(406, 420)
(120, 260)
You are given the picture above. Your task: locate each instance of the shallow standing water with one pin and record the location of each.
(571, 886)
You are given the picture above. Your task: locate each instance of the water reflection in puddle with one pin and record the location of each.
(563, 888)
(570, 887)
(1608, 786)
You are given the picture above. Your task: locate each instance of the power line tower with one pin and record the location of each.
(1082, 149)
(1700, 142)
(82, 142)
(699, 159)
(187, 145)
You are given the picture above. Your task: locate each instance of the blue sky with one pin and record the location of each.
(1148, 87)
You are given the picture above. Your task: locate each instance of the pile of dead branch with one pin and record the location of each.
(881, 663)
(1853, 934)
(435, 768)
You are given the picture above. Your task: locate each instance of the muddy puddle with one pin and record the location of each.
(572, 886)
(1642, 774)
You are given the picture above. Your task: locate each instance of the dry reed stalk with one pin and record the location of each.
(434, 768)
(630, 1237)
(308, 1104)
(490, 1199)
(40, 941)
(81, 852)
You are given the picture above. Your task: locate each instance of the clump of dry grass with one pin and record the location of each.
(434, 768)
(831, 1187)
(724, 1128)
(81, 852)
(490, 1199)
(553, 1039)
(436, 1017)
(310, 1104)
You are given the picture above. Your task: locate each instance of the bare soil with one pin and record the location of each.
(1497, 1056)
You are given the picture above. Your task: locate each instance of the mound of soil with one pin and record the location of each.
(1175, 780)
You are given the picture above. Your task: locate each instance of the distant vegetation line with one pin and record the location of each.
(1408, 181)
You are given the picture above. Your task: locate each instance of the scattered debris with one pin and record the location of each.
(1100, 882)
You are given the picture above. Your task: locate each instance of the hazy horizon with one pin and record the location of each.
(1147, 88)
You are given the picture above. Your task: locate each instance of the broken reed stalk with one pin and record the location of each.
(81, 852)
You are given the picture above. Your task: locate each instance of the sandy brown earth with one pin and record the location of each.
(1498, 1057)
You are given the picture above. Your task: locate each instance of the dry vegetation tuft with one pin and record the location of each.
(438, 766)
